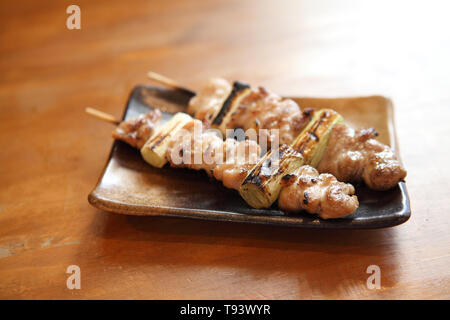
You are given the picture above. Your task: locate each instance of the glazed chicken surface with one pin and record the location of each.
(260, 109)
(317, 193)
(354, 156)
(206, 103)
(228, 161)
(138, 130)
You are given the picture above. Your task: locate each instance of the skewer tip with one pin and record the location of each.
(101, 115)
(168, 82)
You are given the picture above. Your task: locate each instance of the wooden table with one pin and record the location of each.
(52, 153)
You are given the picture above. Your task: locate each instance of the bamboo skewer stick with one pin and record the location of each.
(102, 115)
(168, 82)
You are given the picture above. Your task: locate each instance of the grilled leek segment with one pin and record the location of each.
(240, 91)
(262, 185)
(313, 140)
(154, 150)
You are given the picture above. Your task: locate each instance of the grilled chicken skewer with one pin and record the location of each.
(232, 161)
(351, 155)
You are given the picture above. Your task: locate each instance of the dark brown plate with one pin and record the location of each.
(130, 186)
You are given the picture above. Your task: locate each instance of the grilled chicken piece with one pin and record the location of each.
(136, 131)
(320, 194)
(228, 161)
(262, 109)
(205, 104)
(354, 156)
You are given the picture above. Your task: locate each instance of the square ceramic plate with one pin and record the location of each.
(130, 186)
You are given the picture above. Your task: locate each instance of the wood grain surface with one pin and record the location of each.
(52, 153)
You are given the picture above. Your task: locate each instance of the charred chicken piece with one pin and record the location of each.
(355, 156)
(227, 161)
(229, 106)
(138, 130)
(207, 103)
(321, 194)
(262, 109)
